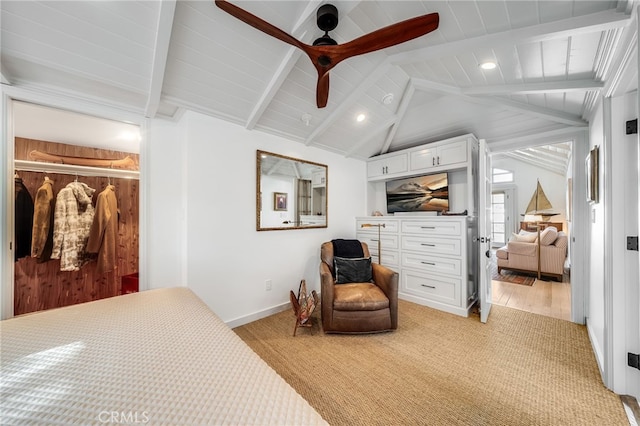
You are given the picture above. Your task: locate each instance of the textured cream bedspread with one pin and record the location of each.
(156, 357)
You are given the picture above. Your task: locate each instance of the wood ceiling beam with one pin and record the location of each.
(547, 114)
(340, 109)
(372, 134)
(536, 154)
(542, 87)
(277, 79)
(160, 55)
(594, 22)
(537, 163)
(400, 113)
(539, 138)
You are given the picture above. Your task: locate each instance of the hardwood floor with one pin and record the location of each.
(549, 298)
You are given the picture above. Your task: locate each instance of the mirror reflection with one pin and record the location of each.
(291, 193)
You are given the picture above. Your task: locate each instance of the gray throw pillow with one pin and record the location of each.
(352, 270)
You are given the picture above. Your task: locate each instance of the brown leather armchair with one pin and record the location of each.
(363, 307)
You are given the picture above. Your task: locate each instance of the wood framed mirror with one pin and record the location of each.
(290, 193)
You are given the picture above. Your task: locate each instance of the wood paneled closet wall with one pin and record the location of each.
(40, 286)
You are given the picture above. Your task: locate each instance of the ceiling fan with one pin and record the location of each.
(326, 53)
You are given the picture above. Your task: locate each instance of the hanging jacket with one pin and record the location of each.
(104, 230)
(42, 239)
(71, 225)
(23, 220)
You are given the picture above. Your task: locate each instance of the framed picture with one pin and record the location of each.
(591, 165)
(280, 201)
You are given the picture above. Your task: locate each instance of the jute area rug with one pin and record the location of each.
(513, 277)
(442, 369)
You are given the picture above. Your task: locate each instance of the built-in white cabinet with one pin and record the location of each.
(458, 157)
(387, 239)
(388, 165)
(318, 197)
(431, 255)
(438, 155)
(318, 179)
(436, 256)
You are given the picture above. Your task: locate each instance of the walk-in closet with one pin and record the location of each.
(76, 222)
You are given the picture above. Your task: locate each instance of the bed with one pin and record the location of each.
(155, 357)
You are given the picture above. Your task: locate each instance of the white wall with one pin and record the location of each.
(271, 218)
(595, 309)
(164, 180)
(216, 250)
(525, 179)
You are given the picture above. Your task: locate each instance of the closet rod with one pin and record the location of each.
(70, 169)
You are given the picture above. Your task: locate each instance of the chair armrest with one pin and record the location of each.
(386, 279)
(326, 286)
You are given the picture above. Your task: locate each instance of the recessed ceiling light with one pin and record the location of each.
(489, 65)
(360, 117)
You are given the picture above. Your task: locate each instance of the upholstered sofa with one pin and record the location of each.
(521, 253)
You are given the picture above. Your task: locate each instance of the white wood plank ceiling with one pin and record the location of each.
(554, 58)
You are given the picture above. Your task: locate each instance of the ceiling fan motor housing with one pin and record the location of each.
(327, 17)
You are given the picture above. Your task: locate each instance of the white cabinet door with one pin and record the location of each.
(452, 153)
(424, 158)
(430, 157)
(391, 165)
(318, 179)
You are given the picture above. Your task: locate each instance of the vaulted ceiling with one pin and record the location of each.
(161, 58)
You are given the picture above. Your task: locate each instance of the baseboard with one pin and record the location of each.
(597, 351)
(258, 315)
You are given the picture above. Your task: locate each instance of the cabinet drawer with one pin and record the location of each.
(387, 241)
(390, 258)
(432, 286)
(432, 245)
(432, 227)
(442, 265)
(390, 226)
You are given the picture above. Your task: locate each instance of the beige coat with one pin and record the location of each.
(104, 230)
(42, 236)
(71, 224)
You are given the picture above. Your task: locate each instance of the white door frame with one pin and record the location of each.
(510, 208)
(69, 103)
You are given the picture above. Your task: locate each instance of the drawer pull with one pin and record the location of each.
(428, 263)
(427, 227)
(427, 244)
(428, 286)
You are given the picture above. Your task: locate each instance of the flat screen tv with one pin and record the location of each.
(418, 194)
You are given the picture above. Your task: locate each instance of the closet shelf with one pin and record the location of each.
(69, 169)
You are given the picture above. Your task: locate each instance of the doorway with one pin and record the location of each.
(515, 174)
(49, 145)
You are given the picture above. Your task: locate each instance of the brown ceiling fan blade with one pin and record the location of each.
(387, 36)
(258, 23)
(322, 90)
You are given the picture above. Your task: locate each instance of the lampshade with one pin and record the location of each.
(533, 218)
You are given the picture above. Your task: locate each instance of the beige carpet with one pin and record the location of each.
(441, 369)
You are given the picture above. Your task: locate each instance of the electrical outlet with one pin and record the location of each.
(267, 285)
